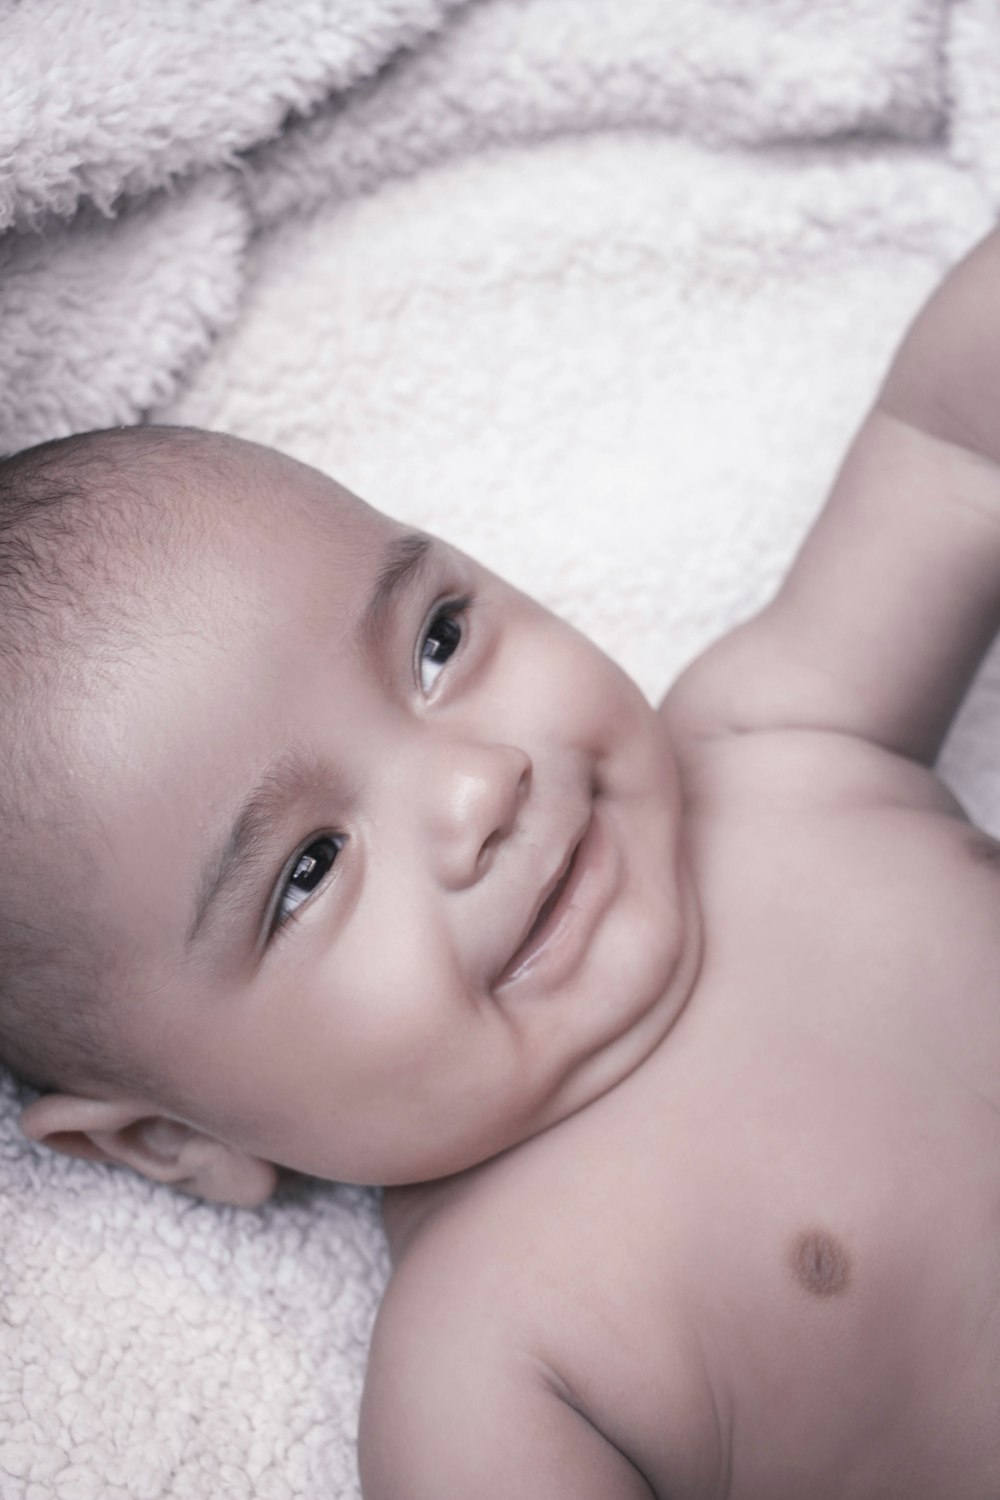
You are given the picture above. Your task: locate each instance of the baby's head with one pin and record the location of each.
(326, 848)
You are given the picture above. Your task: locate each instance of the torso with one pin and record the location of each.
(768, 1264)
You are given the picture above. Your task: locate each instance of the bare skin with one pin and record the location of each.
(697, 1178)
(768, 1265)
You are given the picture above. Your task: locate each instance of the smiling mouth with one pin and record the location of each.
(554, 905)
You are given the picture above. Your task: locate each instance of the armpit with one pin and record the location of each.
(985, 849)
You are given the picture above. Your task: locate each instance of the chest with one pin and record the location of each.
(798, 1198)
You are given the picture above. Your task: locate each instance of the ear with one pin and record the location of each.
(162, 1149)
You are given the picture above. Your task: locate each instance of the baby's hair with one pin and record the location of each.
(76, 515)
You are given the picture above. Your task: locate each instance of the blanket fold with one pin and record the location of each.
(104, 99)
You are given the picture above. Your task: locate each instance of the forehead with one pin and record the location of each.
(267, 558)
(249, 559)
(246, 515)
(237, 548)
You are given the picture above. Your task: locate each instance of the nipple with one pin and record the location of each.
(820, 1263)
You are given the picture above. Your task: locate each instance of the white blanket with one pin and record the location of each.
(598, 288)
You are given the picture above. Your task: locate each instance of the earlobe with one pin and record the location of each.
(210, 1169)
(125, 1132)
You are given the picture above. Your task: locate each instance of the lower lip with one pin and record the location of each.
(556, 951)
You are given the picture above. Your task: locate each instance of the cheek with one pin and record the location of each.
(613, 717)
(386, 995)
(565, 680)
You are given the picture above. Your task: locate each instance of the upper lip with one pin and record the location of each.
(545, 894)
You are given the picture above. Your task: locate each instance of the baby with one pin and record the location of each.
(675, 1036)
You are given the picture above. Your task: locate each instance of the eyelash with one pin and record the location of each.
(280, 924)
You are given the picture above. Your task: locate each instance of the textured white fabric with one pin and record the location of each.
(597, 289)
(109, 97)
(99, 318)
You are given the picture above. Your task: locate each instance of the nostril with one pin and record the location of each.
(506, 815)
(486, 852)
(521, 788)
(518, 793)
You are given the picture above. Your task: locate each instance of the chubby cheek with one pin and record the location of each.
(615, 720)
(559, 680)
(423, 1082)
(388, 1001)
(380, 1004)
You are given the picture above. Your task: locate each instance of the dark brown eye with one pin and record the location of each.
(443, 638)
(310, 869)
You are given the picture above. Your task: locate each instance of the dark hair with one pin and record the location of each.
(75, 513)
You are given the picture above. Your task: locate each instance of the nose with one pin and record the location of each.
(471, 795)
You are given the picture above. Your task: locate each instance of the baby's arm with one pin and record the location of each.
(895, 594)
(453, 1408)
(456, 1442)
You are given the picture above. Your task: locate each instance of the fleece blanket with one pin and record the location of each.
(596, 288)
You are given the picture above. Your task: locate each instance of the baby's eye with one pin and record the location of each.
(310, 869)
(442, 640)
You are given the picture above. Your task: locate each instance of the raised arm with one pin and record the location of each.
(895, 594)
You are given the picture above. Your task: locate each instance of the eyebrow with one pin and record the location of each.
(238, 864)
(402, 563)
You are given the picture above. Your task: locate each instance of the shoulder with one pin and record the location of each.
(785, 770)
